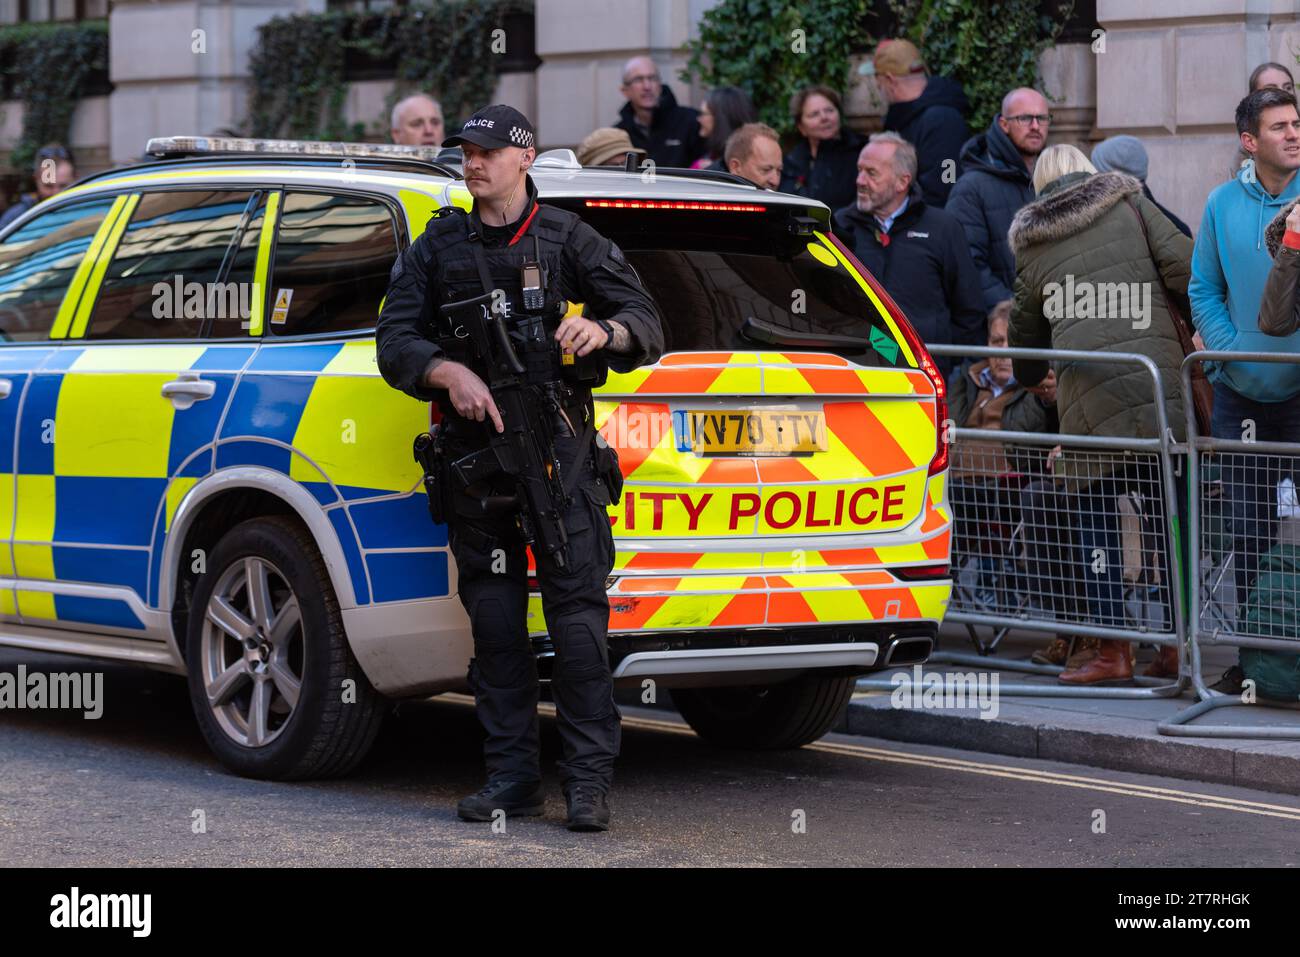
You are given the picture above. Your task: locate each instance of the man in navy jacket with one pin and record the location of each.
(669, 134)
(918, 253)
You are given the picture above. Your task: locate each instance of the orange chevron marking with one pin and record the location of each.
(850, 556)
(665, 559)
(781, 471)
(745, 609)
(816, 358)
(684, 381)
(632, 613)
(834, 381)
(728, 472)
(788, 607)
(696, 358)
(867, 438)
(877, 600)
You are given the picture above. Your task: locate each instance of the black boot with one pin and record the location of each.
(516, 798)
(588, 809)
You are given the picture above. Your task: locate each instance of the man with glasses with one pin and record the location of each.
(996, 180)
(669, 134)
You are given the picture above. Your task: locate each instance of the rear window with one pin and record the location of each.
(710, 272)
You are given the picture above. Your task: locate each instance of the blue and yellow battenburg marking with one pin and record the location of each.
(104, 461)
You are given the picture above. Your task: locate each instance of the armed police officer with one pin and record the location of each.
(475, 319)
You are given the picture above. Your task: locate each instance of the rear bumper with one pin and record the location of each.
(746, 657)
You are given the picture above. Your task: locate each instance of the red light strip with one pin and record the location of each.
(669, 204)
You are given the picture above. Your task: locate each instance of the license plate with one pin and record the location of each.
(757, 432)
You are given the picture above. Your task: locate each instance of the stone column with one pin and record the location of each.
(164, 84)
(584, 46)
(1172, 73)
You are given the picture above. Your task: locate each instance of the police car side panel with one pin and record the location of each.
(318, 413)
(17, 364)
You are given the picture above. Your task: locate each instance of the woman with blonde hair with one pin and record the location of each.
(1085, 232)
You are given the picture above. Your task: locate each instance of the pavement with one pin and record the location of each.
(138, 787)
(1102, 732)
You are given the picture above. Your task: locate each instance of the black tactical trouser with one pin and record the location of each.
(493, 586)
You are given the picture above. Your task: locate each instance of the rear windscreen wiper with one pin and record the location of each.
(756, 330)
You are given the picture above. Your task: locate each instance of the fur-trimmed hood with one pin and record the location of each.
(1062, 212)
(1274, 231)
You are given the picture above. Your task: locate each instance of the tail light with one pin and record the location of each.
(916, 573)
(923, 357)
(689, 205)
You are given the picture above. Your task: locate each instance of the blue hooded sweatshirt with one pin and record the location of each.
(1229, 266)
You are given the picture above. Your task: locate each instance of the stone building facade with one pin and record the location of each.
(1167, 71)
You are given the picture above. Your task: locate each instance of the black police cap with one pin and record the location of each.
(494, 127)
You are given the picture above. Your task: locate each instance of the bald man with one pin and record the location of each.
(669, 134)
(996, 180)
(417, 121)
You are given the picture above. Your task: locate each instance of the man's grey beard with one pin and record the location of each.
(875, 207)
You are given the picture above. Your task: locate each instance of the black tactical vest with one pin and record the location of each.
(454, 274)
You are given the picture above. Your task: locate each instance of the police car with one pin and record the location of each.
(202, 471)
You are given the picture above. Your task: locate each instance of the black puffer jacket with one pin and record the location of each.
(674, 141)
(935, 123)
(832, 177)
(924, 264)
(994, 184)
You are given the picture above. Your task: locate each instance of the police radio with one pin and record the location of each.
(530, 279)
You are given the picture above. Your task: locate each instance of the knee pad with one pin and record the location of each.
(580, 655)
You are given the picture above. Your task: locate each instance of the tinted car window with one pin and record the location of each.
(711, 271)
(37, 262)
(163, 280)
(332, 259)
(706, 297)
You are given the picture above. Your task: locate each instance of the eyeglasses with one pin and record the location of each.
(1026, 119)
(645, 78)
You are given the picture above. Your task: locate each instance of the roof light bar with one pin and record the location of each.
(163, 145)
(675, 204)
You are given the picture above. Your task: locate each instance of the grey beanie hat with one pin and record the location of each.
(1124, 154)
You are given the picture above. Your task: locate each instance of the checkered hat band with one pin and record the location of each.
(520, 137)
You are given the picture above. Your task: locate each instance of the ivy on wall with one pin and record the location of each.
(49, 67)
(772, 48)
(988, 47)
(300, 64)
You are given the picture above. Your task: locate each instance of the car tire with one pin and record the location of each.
(766, 717)
(309, 722)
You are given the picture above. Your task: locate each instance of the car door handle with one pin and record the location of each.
(187, 388)
(6, 386)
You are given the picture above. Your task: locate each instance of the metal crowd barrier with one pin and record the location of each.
(1245, 531)
(1021, 536)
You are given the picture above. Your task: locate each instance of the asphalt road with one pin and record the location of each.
(122, 791)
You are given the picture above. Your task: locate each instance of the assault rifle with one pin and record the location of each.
(530, 407)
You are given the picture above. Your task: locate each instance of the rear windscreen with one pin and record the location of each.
(709, 272)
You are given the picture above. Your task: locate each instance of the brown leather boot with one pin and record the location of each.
(1165, 665)
(1053, 654)
(1085, 649)
(1112, 665)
